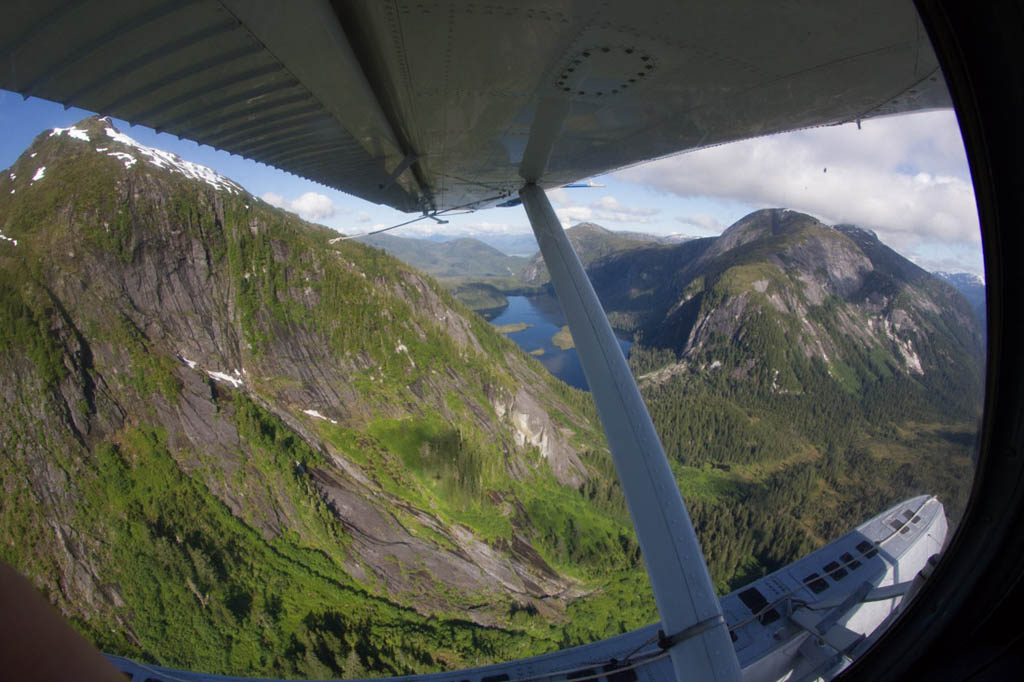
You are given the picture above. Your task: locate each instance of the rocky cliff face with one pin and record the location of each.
(779, 284)
(218, 427)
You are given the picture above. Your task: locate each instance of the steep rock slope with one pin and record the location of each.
(232, 445)
(801, 377)
(779, 281)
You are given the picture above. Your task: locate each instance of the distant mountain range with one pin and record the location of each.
(459, 257)
(480, 275)
(592, 243)
(779, 274)
(482, 256)
(524, 244)
(973, 289)
(521, 244)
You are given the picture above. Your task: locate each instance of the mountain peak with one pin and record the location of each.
(761, 224)
(587, 228)
(99, 134)
(591, 242)
(89, 129)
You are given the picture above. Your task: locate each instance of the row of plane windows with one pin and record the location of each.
(837, 570)
(902, 526)
(756, 602)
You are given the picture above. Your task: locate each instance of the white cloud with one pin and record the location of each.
(707, 224)
(363, 217)
(606, 209)
(570, 215)
(314, 206)
(559, 196)
(610, 204)
(274, 199)
(905, 177)
(310, 206)
(467, 228)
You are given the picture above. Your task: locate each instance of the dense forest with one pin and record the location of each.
(797, 395)
(231, 445)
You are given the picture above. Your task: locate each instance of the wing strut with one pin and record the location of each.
(691, 614)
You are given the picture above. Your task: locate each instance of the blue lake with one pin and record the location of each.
(546, 318)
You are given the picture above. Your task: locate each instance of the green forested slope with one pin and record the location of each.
(231, 445)
(802, 378)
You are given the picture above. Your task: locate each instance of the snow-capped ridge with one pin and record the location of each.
(172, 162)
(88, 130)
(966, 277)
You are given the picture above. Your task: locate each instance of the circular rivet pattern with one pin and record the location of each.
(603, 71)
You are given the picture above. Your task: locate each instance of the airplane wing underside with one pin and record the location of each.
(432, 105)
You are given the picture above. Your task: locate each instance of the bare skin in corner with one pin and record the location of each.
(36, 643)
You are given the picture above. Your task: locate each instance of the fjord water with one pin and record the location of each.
(546, 318)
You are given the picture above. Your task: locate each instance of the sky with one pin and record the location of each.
(905, 177)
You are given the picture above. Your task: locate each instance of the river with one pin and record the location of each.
(545, 319)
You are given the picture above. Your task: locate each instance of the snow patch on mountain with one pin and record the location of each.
(72, 131)
(40, 174)
(127, 158)
(191, 364)
(317, 415)
(173, 162)
(226, 378)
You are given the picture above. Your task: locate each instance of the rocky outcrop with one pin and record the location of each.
(160, 314)
(533, 426)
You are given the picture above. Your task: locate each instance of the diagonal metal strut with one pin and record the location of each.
(682, 586)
